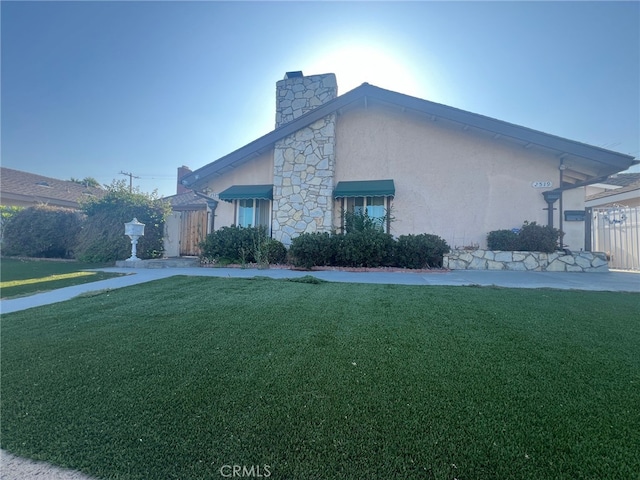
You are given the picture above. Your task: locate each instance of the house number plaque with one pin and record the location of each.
(539, 184)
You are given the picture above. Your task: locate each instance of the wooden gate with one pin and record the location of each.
(193, 230)
(616, 231)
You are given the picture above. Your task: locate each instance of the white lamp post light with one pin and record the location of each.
(134, 230)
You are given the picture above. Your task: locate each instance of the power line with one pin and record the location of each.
(131, 177)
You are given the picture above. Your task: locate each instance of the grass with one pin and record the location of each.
(25, 277)
(177, 378)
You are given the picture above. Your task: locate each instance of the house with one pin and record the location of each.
(620, 189)
(435, 168)
(23, 189)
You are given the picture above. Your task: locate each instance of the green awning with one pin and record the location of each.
(247, 192)
(367, 188)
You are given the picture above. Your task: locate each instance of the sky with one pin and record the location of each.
(92, 89)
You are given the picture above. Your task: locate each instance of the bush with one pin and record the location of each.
(368, 248)
(502, 240)
(42, 231)
(6, 213)
(234, 244)
(531, 238)
(273, 251)
(102, 238)
(312, 249)
(361, 222)
(363, 249)
(538, 238)
(420, 251)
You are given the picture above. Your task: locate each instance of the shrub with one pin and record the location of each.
(367, 248)
(234, 244)
(273, 251)
(420, 251)
(42, 231)
(531, 238)
(6, 213)
(362, 222)
(312, 249)
(538, 238)
(102, 238)
(371, 248)
(502, 240)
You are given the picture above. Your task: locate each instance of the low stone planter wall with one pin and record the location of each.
(526, 261)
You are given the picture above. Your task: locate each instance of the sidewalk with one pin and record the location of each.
(611, 281)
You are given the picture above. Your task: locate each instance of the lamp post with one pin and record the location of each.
(134, 230)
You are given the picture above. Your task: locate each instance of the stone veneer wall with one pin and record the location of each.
(526, 261)
(296, 96)
(304, 165)
(303, 162)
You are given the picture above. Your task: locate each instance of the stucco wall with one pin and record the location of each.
(573, 231)
(258, 171)
(454, 183)
(172, 235)
(451, 182)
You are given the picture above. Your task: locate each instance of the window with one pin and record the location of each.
(372, 197)
(375, 208)
(253, 213)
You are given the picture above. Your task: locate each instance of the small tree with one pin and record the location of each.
(102, 237)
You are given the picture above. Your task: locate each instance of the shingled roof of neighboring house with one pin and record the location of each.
(585, 164)
(24, 189)
(626, 182)
(186, 201)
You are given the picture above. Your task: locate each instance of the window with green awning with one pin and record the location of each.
(369, 197)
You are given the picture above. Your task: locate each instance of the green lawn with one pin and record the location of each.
(26, 277)
(178, 378)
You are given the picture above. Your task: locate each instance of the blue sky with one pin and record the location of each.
(90, 89)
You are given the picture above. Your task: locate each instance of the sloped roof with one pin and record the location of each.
(587, 163)
(186, 201)
(21, 187)
(628, 182)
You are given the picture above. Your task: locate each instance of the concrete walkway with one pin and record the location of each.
(611, 281)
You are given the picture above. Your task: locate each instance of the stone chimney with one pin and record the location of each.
(182, 172)
(304, 161)
(297, 94)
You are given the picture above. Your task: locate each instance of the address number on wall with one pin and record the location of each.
(547, 184)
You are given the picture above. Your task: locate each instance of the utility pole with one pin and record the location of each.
(131, 177)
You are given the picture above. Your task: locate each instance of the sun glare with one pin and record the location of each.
(357, 63)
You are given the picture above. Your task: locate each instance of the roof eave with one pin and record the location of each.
(611, 161)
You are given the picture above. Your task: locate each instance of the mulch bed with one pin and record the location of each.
(333, 269)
